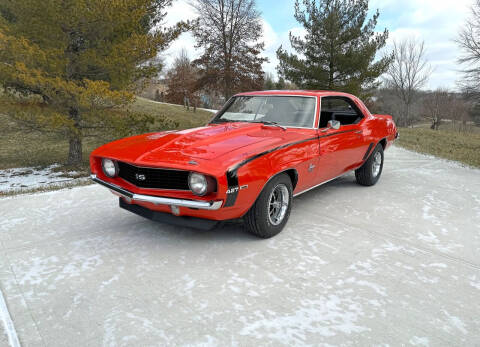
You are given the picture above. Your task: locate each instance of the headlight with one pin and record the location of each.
(109, 167)
(198, 183)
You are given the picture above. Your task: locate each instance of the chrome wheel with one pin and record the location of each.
(377, 164)
(278, 204)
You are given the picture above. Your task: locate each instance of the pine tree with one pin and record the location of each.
(268, 83)
(339, 48)
(69, 66)
(280, 83)
(229, 31)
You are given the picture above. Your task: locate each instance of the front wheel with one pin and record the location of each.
(269, 214)
(371, 170)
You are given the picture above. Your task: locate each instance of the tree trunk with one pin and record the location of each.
(75, 150)
(227, 89)
(227, 86)
(75, 140)
(407, 114)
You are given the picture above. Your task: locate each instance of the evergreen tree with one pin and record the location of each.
(339, 48)
(280, 83)
(75, 63)
(268, 83)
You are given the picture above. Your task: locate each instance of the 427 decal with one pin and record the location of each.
(236, 189)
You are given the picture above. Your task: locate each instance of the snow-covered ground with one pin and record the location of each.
(27, 178)
(393, 264)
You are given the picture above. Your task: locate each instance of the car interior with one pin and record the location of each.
(341, 109)
(289, 111)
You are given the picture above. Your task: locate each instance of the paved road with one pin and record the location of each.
(397, 263)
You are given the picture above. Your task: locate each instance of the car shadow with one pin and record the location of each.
(233, 230)
(228, 231)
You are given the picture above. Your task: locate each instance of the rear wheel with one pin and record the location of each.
(269, 214)
(371, 170)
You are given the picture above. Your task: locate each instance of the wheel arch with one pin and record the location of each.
(291, 172)
(383, 142)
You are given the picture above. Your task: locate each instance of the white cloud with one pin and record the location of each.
(273, 41)
(436, 23)
(270, 37)
(181, 10)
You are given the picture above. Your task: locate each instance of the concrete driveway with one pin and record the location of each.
(397, 263)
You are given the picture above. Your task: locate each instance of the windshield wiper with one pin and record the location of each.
(268, 122)
(221, 120)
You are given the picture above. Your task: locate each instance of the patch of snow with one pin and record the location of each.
(428, 237)
(33, 177)
(456, 322)
(440, 265)
(375, 287)
(108, 282)
(326, 316)
(419, 341)
(474, 282)
(39, 270)
(363, 268)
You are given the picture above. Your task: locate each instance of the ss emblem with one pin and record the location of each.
(140, 177)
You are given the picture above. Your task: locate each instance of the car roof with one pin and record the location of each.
(296, 93)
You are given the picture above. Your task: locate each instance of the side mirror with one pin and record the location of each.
(333, 124)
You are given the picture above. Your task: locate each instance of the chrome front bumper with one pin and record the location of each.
(158, 200)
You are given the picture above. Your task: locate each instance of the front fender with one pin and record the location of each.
(246, 180)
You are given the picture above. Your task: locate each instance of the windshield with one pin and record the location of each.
(294, 111)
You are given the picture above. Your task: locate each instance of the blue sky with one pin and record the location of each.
(435, 21)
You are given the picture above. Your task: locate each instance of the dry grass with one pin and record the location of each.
(186, 119)
(449, 144)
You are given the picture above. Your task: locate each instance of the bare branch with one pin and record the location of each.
(408, 73)
(469, 42)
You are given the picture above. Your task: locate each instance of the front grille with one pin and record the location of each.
(153, 178)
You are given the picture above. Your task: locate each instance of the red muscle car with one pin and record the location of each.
(255, 155)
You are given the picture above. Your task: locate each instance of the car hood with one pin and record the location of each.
(205, 143)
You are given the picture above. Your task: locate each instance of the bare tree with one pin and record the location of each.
(437, 106)
(229, 31)
(181, 81)
(461, 112)
(443, 104)
(469, 41)
(407, 74)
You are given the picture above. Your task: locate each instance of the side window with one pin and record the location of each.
(339, 108)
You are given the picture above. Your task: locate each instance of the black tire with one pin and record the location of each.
(365, 175)
(258, 220)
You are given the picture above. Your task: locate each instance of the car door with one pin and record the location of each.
(342, 149)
